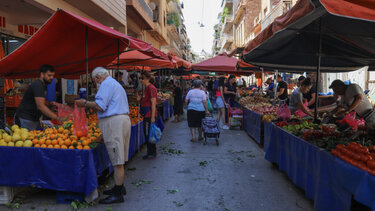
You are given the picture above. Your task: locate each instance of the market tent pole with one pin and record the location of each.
(87, 64)
(318, 71)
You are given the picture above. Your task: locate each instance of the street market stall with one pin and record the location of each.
(62, 158)
(327, 36)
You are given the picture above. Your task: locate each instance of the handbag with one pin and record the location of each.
(209, 105)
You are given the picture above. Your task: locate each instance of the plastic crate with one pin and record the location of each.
(6, 194)
(66, 197)
(10, 120)
(13, 101)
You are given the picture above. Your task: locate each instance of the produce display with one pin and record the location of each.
(58, 137)
(357, 155)
(356, 147)
(260, 105)
(245, 92)
(134, 114)
(164, 95)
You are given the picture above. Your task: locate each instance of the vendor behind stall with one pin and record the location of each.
(34, 103)
(230, 91)
(296, 98)
(282, 89)
(354, 99)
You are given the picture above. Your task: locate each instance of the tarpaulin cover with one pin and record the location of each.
(139, 58)
(221, 63)
(61, 42)
(56, 169)
(329, 181)
(252, 123)
(292, 41)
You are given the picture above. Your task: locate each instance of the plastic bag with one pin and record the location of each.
(352, 121)
(80, 121)
(64, 110)
(155, 134)
(209, 105)
(283, 112)
(299, 113)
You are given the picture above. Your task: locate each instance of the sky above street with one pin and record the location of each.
(201, 11)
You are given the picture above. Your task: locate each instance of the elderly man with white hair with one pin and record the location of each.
(111, 103)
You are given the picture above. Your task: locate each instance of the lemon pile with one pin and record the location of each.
(18, 138)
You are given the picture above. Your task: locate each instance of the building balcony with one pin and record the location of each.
(278, 9)
(227, 3)
(228, 23)
(159, 34)
(227, 41)
(239, 11)
(139, 10)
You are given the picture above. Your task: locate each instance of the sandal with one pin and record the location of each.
(192, 140)
(200, 139)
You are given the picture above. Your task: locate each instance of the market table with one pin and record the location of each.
(267, 134)
(57, 169)
(252, 124)
(166, 109)
(329, 181)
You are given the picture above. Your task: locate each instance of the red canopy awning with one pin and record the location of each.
(222, 63)
(181, 63)
(139, 58)
(61, 42)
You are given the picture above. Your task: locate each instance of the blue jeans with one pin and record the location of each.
(28, 124)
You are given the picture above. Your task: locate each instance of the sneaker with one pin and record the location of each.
(225, 127)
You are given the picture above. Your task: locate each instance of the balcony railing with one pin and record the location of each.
(146, 8)
(277, 10)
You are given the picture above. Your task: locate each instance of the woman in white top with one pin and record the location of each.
(197, 108)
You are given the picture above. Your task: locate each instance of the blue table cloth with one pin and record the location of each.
(328, 180)
(137, 138)
(170, 111)
(166, 110)
(252, 124)
(56, 169)
(267, 134)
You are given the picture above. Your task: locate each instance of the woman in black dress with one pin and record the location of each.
(178, 109)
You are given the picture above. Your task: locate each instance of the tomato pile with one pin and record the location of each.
(135, 118)
(357, 155)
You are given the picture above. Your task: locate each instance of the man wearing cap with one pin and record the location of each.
(111, 103)
(354, 99)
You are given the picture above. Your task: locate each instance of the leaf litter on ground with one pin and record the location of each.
(141, 182)
(203, 163)
(178, 204)
(172, 191)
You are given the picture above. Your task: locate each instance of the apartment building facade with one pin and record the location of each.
(20, 19)
(179, 44)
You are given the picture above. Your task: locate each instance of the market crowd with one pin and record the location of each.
(199, 97)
